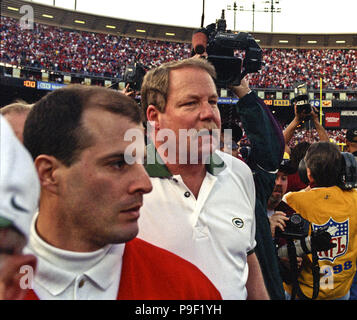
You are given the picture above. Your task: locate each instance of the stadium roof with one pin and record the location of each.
(95, 23)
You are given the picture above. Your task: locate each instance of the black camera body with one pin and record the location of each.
(220, 46)
(296, 228)
(134, 75)
(297, 231)
(298, 244)
(348, 172)
(302, 99)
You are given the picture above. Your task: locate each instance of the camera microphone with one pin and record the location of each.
(199, 42)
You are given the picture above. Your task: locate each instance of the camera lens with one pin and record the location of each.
(295, 219)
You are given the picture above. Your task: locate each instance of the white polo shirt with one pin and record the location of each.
(68, 275)
(215, 232)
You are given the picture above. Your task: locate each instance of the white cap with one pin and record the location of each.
(19, 183)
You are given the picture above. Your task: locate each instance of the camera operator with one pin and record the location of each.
(351, 141)
(278, 212)
(331, 206)
(298, 151)
(276, 217)
(266, 151)
(351, 146)
(303, 116)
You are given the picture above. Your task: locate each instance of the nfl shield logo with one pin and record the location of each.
(339, 236)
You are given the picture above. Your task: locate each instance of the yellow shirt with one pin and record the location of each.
(336, 208)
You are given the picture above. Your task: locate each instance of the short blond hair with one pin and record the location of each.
(155, 86)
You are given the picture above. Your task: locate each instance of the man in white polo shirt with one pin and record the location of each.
(202, 204)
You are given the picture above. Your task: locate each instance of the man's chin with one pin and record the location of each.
(126, 234)
(277, 194)
(202, 156)
(274, 201)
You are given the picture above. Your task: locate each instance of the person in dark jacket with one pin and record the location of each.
(267, 148)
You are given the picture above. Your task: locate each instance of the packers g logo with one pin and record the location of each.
(238, 222)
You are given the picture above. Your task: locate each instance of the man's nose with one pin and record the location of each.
(206, 111)
(278, 181)
(141, 181)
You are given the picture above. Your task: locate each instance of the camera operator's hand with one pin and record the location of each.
(202, 55)
(243, 89)
(277, 220)
(128, 92)
(314, 114)
(300, 116)
(319, 128)
(286, 262)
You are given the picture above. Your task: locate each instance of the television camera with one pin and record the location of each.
(220, 45)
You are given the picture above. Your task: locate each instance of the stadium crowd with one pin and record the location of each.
(302, 134)
(283, 67)
(52, 48)
(57, 49)
(186, 226)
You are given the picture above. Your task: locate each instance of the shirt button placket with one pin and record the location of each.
(77, 288)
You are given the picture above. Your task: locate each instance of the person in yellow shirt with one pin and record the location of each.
(327, 204)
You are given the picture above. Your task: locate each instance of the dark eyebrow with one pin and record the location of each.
(112, 156)
(214, 97)
(194, 96)
(190, 96)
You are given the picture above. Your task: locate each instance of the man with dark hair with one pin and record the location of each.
(326, 204)
(277, 217)
(351, 141)
(91, 194)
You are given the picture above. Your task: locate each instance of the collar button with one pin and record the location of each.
(81, 283)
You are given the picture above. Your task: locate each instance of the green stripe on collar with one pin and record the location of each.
(155, 166)
(4, 223)
(216, 164)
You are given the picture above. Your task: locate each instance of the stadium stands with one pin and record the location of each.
(283, 67)
(80, 53)
(57, 49)
(96, 54)
(310, 135)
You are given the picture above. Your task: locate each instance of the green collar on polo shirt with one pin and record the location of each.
(5, 223)
(157, 168)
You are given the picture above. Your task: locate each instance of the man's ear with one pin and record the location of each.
(153, 115)
(309, 176)
(46, 169)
